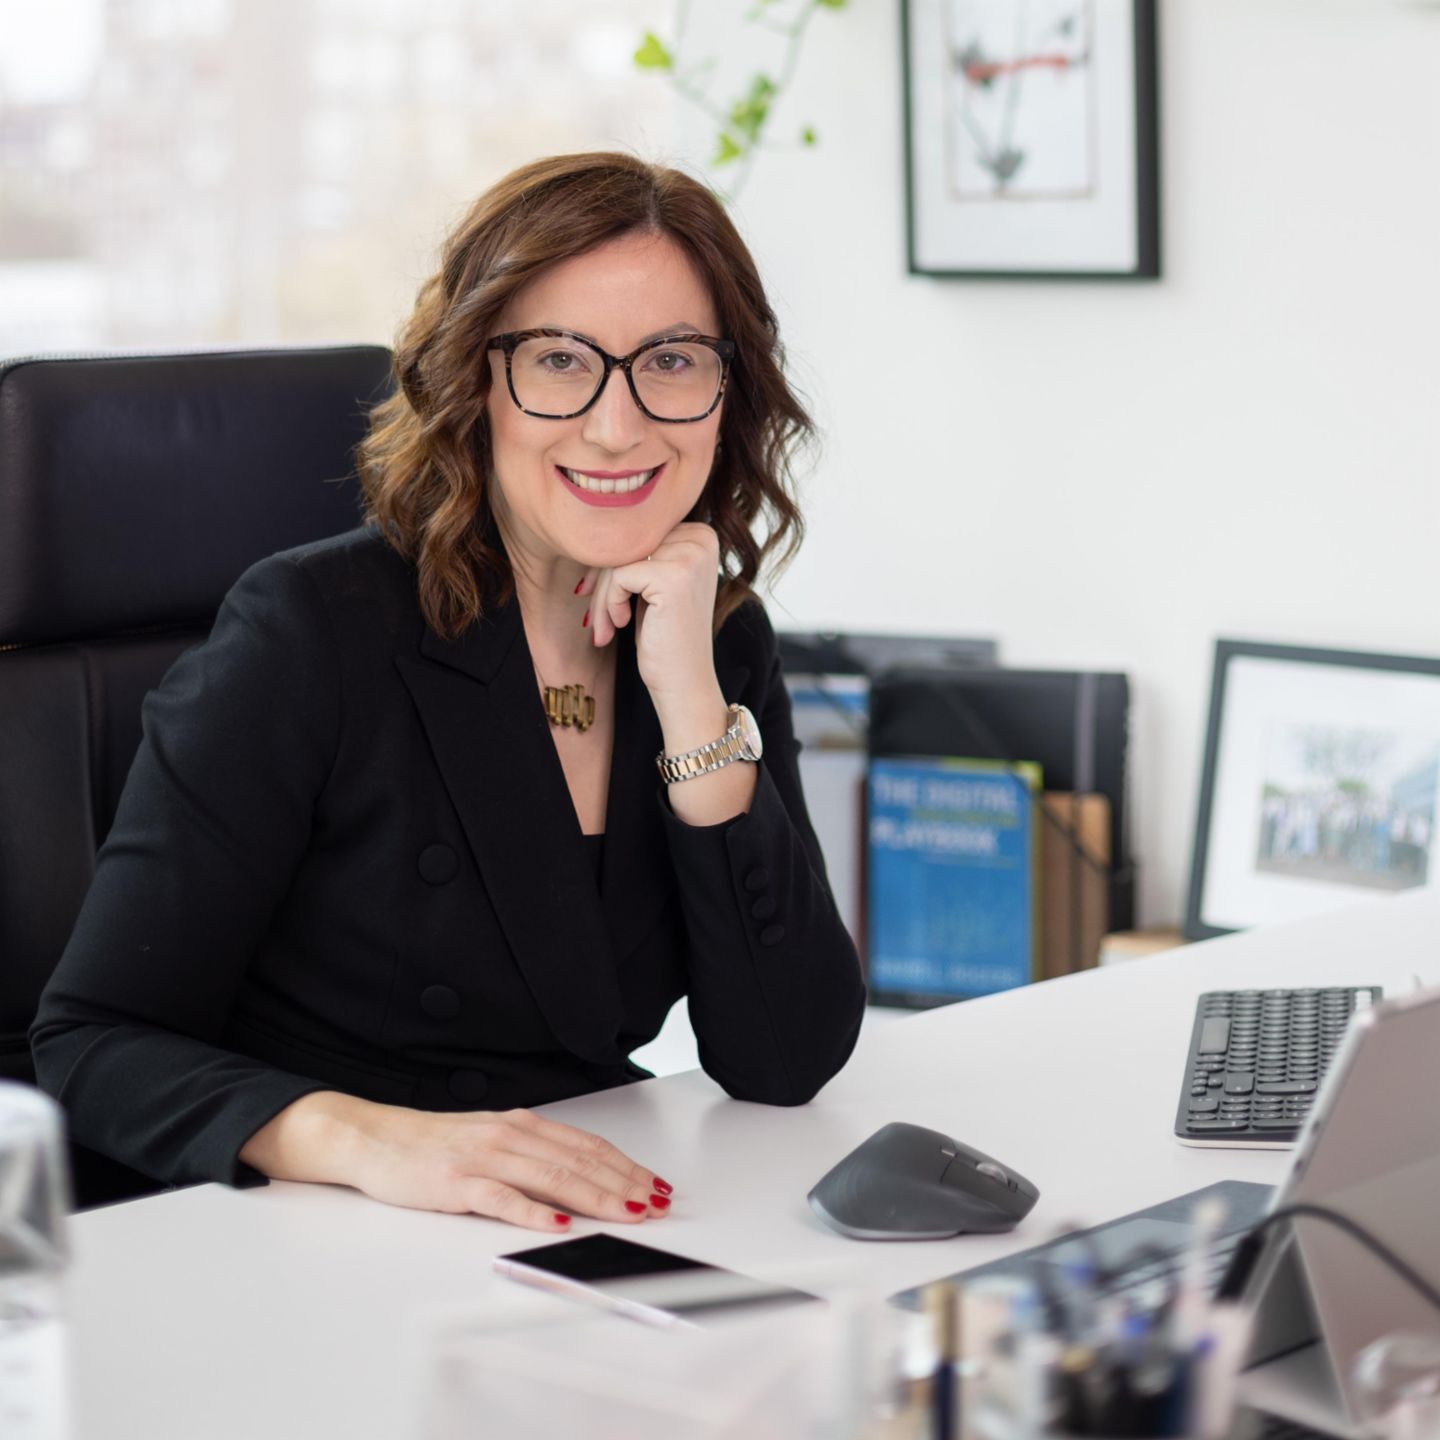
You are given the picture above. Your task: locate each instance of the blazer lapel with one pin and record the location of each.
(481, 711)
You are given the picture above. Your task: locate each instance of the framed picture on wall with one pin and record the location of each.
(1319, 785)
(1031, 138)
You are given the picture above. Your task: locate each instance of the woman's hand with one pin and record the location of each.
(511, 1165)
(673, 596)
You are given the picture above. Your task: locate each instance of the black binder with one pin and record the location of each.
(1075, 724)
(854, 653)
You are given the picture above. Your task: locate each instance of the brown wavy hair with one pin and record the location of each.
(425, 465)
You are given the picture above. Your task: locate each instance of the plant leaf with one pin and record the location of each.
(808, 135)
(749, 113)
(726, 149)
(831, 4)
(652, 54)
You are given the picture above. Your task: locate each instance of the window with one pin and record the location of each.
(189, 172)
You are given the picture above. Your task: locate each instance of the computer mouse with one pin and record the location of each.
(909, 1183)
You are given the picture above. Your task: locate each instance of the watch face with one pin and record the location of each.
(749, 732)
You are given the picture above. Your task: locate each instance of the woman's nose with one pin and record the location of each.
(615, 422)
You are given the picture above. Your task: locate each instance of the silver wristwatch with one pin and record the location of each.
(740, 742)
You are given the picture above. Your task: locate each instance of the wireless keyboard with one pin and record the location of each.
(1257, 1058)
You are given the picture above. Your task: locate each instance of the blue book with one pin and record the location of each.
(952, 879)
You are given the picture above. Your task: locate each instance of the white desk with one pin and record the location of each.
(279, 1312)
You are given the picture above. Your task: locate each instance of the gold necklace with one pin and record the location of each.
(567, 705)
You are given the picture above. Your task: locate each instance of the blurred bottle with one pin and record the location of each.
(1397, 1383)
(34, 1200)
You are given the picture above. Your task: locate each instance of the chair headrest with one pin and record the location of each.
(135, 489)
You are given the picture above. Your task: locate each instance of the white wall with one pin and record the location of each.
(1113, 474)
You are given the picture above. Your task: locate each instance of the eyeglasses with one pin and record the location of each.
(557, 375)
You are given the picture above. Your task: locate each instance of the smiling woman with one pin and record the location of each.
(593, 437)
(395, 847)
(427, 463)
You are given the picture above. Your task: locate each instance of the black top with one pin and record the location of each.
(346, 858)
(595, 852)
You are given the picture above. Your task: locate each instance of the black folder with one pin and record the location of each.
(1074, 724)
(854, 653)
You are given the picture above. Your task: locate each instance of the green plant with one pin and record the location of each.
(742, 123)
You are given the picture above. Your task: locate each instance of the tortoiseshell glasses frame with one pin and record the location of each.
(509, 342)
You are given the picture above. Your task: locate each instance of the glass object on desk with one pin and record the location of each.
(603, 1376)
(532, 1367)
(1397, 1383)
(34, 1199)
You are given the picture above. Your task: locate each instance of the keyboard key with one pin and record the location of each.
(1213, 1125)
(1239, 1084)
(1214, 1036)
(1285, 1087)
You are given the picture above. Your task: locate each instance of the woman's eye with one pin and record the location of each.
(561, 362)
(669, 361)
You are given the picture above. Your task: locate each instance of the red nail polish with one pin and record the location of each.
(659, 1202)
(581, 582)
(663, 1186)
(561, 1219)
(586, 621)
(634, 1207)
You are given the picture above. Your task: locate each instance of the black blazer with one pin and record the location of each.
(346, 858)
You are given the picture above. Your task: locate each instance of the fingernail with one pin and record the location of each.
(579, 586)
(634, 1207)
(586, 621)
(561, 1219)
(663, 1186)
(659, 1202)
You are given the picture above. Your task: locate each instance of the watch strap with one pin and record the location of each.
(705, 758)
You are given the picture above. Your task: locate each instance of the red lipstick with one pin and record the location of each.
(614, 499)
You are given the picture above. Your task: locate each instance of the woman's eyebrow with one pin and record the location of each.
(681, 327)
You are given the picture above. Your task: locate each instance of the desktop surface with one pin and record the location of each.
(291, 1310)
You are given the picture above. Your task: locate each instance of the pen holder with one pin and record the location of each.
(1020, 1381)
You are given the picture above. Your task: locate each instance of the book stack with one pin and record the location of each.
(952, 878)
(995, 841)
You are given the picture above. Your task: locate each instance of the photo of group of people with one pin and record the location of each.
(1348, 806)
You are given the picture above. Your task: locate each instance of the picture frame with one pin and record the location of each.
(1031, 150)
(1319, 784)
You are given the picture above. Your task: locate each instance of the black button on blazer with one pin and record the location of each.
(346, 858)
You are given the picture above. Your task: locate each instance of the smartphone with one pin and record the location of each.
(642, 1282)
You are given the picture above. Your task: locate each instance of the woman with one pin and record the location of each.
(394, 860)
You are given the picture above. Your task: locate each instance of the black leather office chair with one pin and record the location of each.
(134, 490)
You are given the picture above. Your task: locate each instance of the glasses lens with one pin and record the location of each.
(677, 381)
(555, 375)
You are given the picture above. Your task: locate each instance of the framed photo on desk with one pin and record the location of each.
(1031, 138)
(1320, 783)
